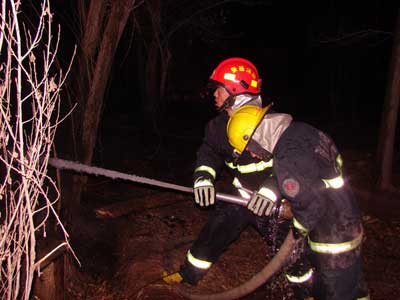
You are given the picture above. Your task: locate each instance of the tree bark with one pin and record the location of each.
(101, 35)
(89, 46)
(120, 12)
(153, 61)
(93, 28)
(389, 116)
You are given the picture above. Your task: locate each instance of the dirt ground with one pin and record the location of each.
(125, 255)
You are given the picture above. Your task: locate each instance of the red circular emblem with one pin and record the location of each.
(291, 187)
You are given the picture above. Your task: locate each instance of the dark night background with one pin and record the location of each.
(305, 55)
(325, 63)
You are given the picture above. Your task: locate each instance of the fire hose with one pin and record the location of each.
(272, 267)
(81, 168)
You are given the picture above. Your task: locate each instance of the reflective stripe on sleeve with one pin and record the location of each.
(299, 226)
(198, 263)
(335, 248)
(236, 183)
(364, 298)
(300, 279)
(339, 161)
(335, 183)
(244, 194)
(242, 191)
(250, 168)
(206, 169)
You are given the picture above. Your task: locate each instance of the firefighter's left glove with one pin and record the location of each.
(204, 191)
(262, 202)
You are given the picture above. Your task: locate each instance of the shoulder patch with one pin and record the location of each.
(291, 187)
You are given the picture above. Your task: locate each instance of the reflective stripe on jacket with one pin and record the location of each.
(250, 168)
(335, 183)
(207, 169)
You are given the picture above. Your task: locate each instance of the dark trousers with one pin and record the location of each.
(341, 283)
(224, 225)
(299, 264)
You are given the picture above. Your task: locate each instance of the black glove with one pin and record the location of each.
(262, 202)
(204, 191)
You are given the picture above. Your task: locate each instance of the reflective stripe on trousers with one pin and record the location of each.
(300, 279)
(329, 248)
(198, 263)
(335, 248)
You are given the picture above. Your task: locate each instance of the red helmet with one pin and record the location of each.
(237, 76)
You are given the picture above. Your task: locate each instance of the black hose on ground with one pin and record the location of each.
(273, 266)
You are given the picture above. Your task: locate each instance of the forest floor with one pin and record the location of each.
(125, 255)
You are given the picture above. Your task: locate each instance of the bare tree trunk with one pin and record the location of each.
(157, 62)
(103, 24)
(389, 116)
(152, 75)
(89, 45)
(153, 61)
(93, 28)
(120, 12)
(98, 47)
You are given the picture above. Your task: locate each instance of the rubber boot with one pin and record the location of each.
(302, 292)
(302, 272)
(190, 274)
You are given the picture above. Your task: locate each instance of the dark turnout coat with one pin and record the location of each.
(308, 172)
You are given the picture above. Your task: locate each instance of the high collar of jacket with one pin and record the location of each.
(246, 99)
(270, 130)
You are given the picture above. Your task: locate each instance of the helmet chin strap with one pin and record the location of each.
(229, 102)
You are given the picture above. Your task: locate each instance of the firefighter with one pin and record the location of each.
(308, 173)
(236, 82)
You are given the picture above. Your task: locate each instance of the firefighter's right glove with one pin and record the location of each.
(262, 202)
(204, 191)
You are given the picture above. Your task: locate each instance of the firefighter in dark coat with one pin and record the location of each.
(237, 83)
(307, 172)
